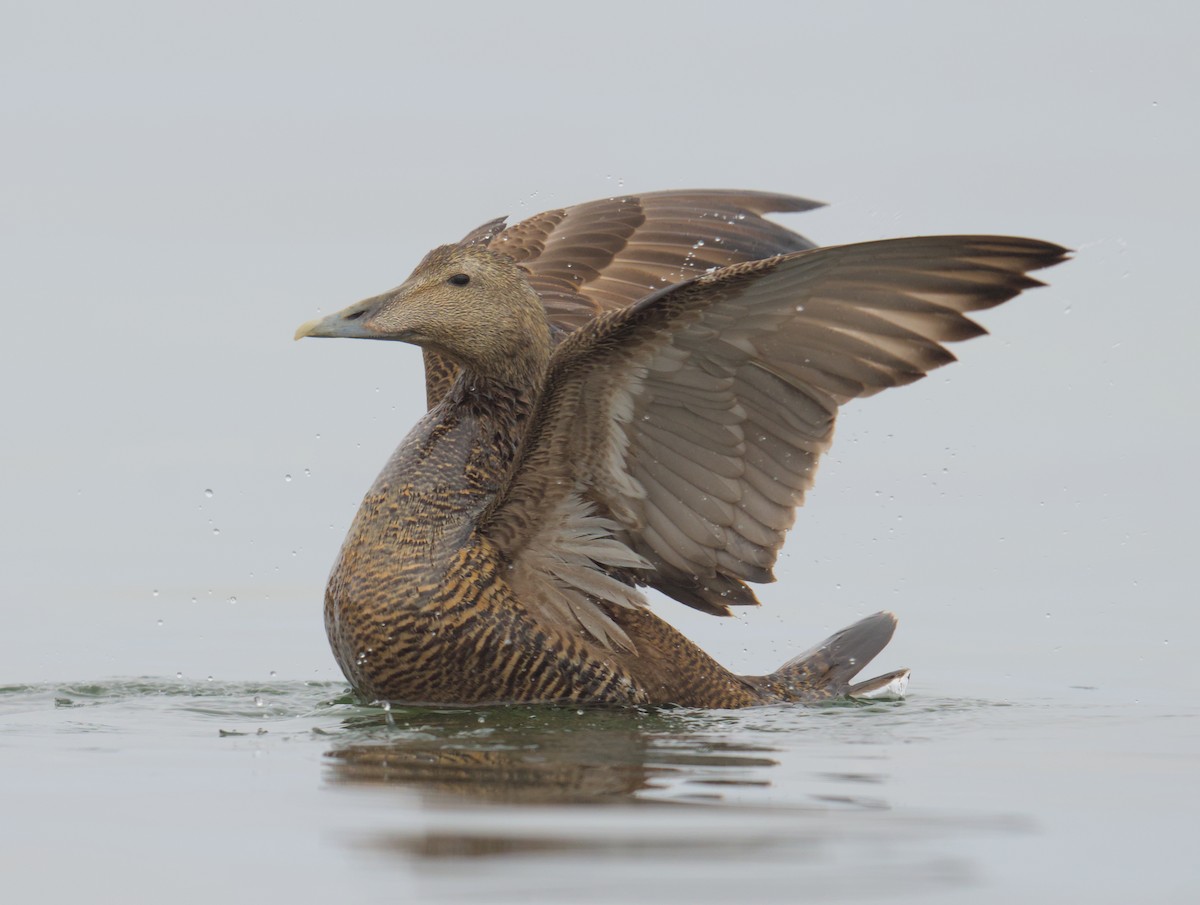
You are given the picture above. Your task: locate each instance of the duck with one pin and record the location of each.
(629, 394)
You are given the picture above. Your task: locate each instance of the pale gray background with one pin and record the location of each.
(182, 184)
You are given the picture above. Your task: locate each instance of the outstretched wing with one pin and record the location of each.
(612, 253)
(609, 254)
(676, 438)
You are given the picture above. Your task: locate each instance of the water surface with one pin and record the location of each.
(157, 789)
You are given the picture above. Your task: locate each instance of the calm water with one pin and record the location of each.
(162, 790)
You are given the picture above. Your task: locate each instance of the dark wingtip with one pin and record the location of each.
(755, 202)
(1052, 254)
(794, 204)
(776, 203)
(1042, 253)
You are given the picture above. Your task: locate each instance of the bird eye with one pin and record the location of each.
(459, 279)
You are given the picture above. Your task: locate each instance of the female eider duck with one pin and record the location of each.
(627, 393)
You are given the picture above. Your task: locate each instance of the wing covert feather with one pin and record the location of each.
(608, 254)
(691, 423)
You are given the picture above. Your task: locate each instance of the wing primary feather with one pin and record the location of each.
(694, 418)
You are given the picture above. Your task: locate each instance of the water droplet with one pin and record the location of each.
(287, 478)
(208, 493)
(272, 673)
(154, 593)
(179, 675)
(159, 623)
(216, 531)
(481, 719)
(232, 599)
(258, 701)
(307, 473)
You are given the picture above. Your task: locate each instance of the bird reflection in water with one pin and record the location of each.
(540, 755)
(517, 769)
(557, 804)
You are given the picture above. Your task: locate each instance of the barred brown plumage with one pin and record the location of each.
(627, 393)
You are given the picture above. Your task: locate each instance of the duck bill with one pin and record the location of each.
(349, 323)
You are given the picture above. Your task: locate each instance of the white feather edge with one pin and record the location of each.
(563, 571)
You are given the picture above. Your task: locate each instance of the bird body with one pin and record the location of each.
(664, 440)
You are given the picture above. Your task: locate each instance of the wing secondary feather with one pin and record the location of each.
(609, 254)
(675, 438)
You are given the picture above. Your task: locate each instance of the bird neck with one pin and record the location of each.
(448, 470)
(501, 407)
(515, 364)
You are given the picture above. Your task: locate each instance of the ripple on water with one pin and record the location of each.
(777, 786)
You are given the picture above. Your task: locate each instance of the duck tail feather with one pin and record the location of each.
(826, 671)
